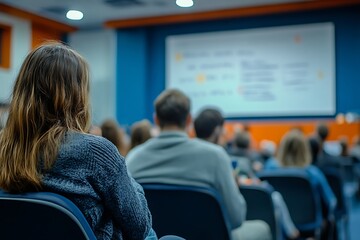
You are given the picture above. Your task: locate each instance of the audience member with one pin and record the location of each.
(112, 132)
(206, 127)
(343, 141)
(314, 145)
(174, 158)
(140, 133)
(253, 144)
(294, 152)
(324, 159)
(322, 132)
(242, 149)
(267, 151)
(209, 125)
(44, 146)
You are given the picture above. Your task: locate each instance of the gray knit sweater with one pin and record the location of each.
(91, 173)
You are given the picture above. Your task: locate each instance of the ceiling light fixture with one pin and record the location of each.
(184, 3)
(74, 15)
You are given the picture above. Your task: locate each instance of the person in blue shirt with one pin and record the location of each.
(294, 152)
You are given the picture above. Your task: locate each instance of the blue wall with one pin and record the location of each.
(141, 57)
(131, 76)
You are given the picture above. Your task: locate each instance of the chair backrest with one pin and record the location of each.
(336, 184)
(300, 195)
(189, 212)
(41, 215)
(260, 206)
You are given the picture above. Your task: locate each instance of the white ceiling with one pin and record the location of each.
(96, 12)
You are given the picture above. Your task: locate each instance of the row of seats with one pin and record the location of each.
(197, 213)
(44, 216)
(190, 212)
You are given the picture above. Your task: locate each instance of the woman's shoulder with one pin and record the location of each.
(85, 139)
(94, 147)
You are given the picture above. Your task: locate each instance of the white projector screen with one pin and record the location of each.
(277, 71)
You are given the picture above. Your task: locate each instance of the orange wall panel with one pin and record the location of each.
(41, 34)
(275, 130)
(230, 13)
(5, 46)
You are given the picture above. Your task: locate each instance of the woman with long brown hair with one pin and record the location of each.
(44, 146)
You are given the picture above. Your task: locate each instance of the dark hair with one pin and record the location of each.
(344, 147)
(172, 107)
(322, 131)
(242, 139)
(314, 149)
(206, 122)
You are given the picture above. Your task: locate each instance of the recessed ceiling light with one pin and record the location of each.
(74, 15)
(184, 3)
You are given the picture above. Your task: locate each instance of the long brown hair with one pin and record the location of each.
(49, 98)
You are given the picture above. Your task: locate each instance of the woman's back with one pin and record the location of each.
(294, 151)
(44, 146)
(326, 194)
(90, 172)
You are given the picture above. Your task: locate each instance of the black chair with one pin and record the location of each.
(260, 206)
(41, 216)
(336, 183)
(301, 198)
(189, 212)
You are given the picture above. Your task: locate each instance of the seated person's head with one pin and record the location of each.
(172, 110)
(209, 125)
(242, 139)
(112, 132)
(322, 131)
(140, 133)
(267, 148)
(294, 150)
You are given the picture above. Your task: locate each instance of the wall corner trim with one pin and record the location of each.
(230, 13)
(34, 18)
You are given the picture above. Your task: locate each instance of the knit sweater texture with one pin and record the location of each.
(91, 173)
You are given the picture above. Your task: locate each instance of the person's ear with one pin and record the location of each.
(156, 120)
(188, 120)
(217, 132)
